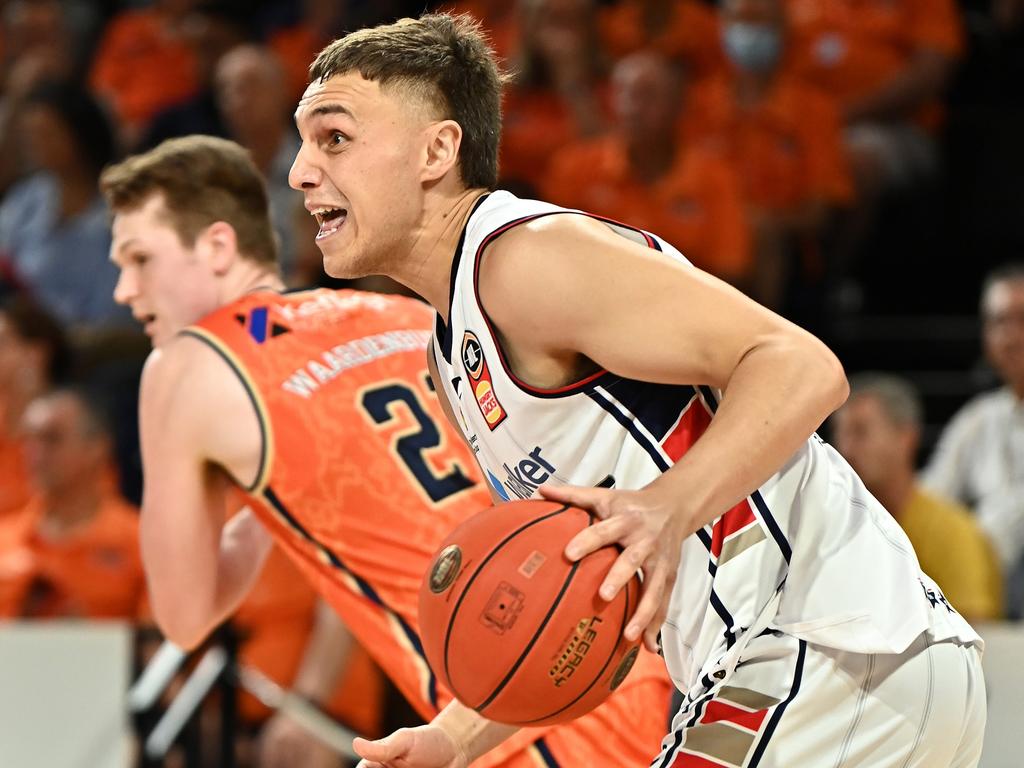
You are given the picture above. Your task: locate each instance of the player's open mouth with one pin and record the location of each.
(330, 220)
(147, 322)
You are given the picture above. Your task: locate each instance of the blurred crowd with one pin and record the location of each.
(830, 158)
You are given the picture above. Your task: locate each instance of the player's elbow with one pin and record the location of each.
(184, 626)
(825, 369)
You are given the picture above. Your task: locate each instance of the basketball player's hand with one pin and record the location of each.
(650, 534)
(427, 746)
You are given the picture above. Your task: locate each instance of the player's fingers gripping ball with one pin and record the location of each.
(513, 628)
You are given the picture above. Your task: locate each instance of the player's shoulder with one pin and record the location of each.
(183, 369)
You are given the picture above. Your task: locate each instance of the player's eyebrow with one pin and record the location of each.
(332, 108)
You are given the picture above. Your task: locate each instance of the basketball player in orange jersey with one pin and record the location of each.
(792, 611)
(319, 406)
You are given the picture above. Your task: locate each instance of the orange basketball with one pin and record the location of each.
(513, 628)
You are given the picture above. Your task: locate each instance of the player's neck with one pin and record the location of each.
(427, 271)
(249, 277)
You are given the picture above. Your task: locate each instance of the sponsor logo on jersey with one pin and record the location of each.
(523, 478)
(480, 377)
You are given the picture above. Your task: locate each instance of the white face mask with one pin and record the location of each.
(752, 47)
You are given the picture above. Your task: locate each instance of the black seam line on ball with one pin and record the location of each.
(597, 678)
(465, 590)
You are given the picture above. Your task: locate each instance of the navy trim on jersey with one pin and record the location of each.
(441, 330)
(766, 514)
(628, 424)
(773, 722)
(368, 591)
(545, 754)
(585, 384)
(656, 406)
(680, 732)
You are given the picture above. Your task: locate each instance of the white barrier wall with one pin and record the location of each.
(1004, 680)
(62, 695)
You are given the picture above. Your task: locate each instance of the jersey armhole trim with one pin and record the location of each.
(572, 388)
(238, 368)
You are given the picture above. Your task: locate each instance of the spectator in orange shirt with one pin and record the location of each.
(684, 30)
(143, 64)
(556, 96)
(644, 174)
(888, 62)
(34, 355)
(783, 136)
(296, 46)
(75, 550)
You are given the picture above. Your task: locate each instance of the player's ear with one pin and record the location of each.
(220, 242)
(443, 141)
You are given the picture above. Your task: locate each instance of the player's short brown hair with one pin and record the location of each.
(203, 180)
(445, 60)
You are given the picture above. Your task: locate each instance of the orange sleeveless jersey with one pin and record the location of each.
(361, 478)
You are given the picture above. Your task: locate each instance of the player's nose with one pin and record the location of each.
(126, 288)
(303, 174)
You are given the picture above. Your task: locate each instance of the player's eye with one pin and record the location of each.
(336, 139)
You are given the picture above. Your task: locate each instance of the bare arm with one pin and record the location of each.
(642, 315)
(197, 568)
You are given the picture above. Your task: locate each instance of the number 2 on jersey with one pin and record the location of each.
(383, 404)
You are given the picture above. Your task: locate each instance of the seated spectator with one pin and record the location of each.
(73, 551)
(555, 99)
(253, 98)
(888, 62)
(210, 29)
(143, 63)
(54, 228)
(878, 431)
(297, 46)
(643, 173)
(36, 45)
(684, 30)
(499, 18)
(33, 357)
(783, 136)
(979, 459)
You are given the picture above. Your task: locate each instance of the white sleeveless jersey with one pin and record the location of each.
(851, 578)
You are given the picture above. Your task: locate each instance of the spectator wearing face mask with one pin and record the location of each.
(781, 134)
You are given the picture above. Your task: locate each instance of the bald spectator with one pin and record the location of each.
(644, 174)
(73, 551)
(878, 431)
(252, 96)
(34, 355)
(979, 459)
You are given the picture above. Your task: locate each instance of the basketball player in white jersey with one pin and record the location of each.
(590, 362)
